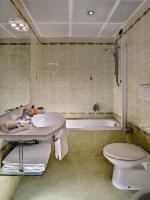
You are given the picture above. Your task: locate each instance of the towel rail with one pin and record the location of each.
(54, 138)
(20, 145)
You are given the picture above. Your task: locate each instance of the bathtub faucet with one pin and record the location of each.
(96, 107)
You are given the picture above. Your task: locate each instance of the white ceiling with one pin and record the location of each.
(68, 18)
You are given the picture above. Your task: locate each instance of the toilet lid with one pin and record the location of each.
(124, 151)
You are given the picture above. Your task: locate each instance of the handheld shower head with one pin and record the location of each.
(114, 52)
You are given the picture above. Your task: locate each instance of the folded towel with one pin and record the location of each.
(35, 158)
(61, 144)
(26, 168)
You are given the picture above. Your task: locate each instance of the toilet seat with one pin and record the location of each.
(124, 151)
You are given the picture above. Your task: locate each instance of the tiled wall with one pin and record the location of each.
(140, 138)
(90, 144)
(72, 77)
(138, 46)
(14, 75)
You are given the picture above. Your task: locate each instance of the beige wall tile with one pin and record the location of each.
(14, 76)
(90, 144)
(138, 44)
(63, 74)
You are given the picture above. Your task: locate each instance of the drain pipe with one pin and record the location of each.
(124, 67)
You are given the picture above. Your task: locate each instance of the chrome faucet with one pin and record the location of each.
(24, 115)
(96, 107)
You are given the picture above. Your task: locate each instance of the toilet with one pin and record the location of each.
(131, 166)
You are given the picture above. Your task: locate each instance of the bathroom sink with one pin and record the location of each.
(47, 119)
(50, 124)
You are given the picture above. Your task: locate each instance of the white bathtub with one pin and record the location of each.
(92, 124)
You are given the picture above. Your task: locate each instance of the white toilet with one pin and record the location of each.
(131, 166)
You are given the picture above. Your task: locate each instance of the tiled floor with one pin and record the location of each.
(72, 179)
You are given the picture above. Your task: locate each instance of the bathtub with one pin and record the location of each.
(93, 124)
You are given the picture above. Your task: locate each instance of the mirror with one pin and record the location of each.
(14, 61)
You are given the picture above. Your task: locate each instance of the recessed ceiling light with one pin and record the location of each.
(24, 29)
(18, 24)
(21, 24)
(17, 28)
(90, 12)
(13, 25)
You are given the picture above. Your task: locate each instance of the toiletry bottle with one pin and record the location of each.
(33, 110)
(40, 110)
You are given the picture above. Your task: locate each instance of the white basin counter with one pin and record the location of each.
(42, 127)
(38, 133)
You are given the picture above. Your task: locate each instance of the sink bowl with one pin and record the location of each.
(47, 119)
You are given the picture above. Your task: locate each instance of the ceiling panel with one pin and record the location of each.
(124, 10)
(53, 30)
(6, 11)
(100, 7)
(111, 30)
(69, 18)
(3, 33)
(85, 30)
(48, 10)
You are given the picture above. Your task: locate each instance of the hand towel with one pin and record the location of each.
(61, 144)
